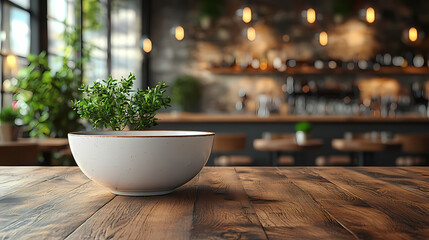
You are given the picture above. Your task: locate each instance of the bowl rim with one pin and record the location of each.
(197, 134)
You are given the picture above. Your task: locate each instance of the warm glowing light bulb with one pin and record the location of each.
(370, 15)
(323, 38)
(413, 34)
(311, 15)
(264, 64)
(11, 61)
(251, 34)
(179, 33)
(247, 15)
(147, 45)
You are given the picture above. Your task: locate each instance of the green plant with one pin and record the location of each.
(112, 104)
(45, 98)
(303, 127)
(45, 94)
(8, 115)
(186, 93)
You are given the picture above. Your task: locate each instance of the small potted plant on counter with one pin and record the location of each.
(303, 130)
(138, 163)
(186, 93)
(9, 131)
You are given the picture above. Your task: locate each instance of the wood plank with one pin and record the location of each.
(14, 178)
(422, 171)
(155, 217)
(285, 210)
(59, 216)
(222, 208)
(25, 199)
(409, 209)
(354, 213)
(399, 178)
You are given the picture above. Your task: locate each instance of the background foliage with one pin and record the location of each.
(45, 95)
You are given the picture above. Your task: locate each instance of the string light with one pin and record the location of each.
(311, 15)
(251, 33)
(370, 15)
(179, 33)
(247, 15)
(323, 38)
(11, 61)
(147, 45)
(413, 34)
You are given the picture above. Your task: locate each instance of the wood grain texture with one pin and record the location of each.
(14, 178)
(15, 204)
(405, 180)
(409, 209)
(59, 216)
(221, 203)
(351, 211)
(157, 217)
(222, 209)
(421, 171)
(285, 210)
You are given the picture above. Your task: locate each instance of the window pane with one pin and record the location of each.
(126, 52)
(57, 9)
(98, 38)
(22, 3)
(19, 31)
(96, 69)
(56, 44)
(71, 16)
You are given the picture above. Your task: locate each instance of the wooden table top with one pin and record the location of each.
(286, 145)
(221, 203)
(364, 145)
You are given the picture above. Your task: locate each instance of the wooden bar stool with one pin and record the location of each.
(226, 143)
(284, 142)
(416, 144)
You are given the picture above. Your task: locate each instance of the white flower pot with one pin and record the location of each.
(301, 137)
(141, 163)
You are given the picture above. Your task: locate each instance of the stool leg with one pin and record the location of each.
(275, 158)
(361, 159)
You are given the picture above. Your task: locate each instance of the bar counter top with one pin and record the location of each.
(237, 118)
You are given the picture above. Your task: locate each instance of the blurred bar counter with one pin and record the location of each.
(237, 118)
(325, 128)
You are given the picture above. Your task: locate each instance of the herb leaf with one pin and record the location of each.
(114, 104)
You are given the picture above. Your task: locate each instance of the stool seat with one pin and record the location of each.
(229, 142)
(364, 145)
(225, 144)
(286, 145)
(414, 143)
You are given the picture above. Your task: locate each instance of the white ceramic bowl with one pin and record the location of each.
(141, 163)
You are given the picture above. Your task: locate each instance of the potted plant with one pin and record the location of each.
(186, 93)
(9, 131)
(303, 130)
(138, 162)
